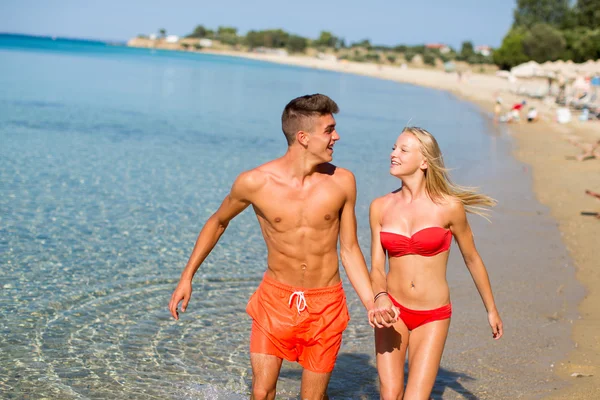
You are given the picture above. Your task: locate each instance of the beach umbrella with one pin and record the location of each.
(526, 70)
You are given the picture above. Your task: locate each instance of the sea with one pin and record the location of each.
(111, 160)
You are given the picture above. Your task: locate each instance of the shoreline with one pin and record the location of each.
(558, 183)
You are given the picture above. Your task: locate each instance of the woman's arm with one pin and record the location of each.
(385, 313)
(459, 225)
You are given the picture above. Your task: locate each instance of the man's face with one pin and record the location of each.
(323, 137)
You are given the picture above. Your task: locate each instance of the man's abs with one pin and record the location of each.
(308, 272)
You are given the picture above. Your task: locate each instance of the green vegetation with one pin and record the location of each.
(542, 30)
(549, 30)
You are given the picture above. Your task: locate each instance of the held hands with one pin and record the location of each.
(182, 292)
(496, 324)
(384, 313)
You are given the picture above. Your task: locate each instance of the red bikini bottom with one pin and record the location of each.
(415, 318)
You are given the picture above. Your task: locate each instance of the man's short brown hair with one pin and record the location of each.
(299, 113)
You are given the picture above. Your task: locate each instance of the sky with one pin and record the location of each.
(391, 22)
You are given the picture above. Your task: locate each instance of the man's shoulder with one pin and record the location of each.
(337, 173)
(251, 180)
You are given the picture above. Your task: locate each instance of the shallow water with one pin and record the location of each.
(112, 158)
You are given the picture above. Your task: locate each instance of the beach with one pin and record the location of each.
(558, 182)
(113, 157)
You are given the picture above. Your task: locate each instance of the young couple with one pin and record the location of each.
(303, 205)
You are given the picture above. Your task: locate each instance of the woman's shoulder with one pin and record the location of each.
(452, 206)
(379, 203)
(386, 198)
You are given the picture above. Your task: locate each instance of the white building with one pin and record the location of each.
(204, 42)
(485, 51)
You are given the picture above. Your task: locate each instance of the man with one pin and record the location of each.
(303, 204)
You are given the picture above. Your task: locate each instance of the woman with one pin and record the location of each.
(415, 225)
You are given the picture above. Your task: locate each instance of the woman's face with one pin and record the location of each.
(406, 158)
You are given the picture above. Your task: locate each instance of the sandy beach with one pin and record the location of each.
(559, 183)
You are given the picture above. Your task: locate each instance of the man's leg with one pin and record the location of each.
(314, 385)
(265, 371)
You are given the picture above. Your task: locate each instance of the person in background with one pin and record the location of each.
(532, 115)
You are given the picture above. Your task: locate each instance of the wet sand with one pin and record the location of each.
(552, 331)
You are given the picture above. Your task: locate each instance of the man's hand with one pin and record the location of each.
(384, 313)
(182, 292)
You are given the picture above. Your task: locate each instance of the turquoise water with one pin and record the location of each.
(112, 158)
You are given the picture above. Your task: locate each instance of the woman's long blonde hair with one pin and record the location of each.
(437, 181)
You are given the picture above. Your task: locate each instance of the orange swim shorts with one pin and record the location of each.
(303, 325)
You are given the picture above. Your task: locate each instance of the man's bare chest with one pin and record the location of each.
(286, 208)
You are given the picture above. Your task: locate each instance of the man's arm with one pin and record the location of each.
(459, 225)
(352, 257)
(237, 200)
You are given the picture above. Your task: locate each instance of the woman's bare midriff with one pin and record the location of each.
(418, 282)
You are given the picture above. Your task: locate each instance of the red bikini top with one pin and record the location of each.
(426, 242)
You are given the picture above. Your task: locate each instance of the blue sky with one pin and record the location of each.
(383, 22)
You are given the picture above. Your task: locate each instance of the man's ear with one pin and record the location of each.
(302, 137)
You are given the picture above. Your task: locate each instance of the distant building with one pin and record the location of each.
(152, 36)
(205, 42)
(438, 46)
(327, 57)
(268, 50)
(172, 39)
(485, 51)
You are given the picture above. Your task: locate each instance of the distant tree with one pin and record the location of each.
(582, 44)
(588, 13)
(326, 39)
(531, 12)
(227, 35)
(199, 32)
(274, 38)
(373, 56)
(511, 52)
(366, 43)
(449, 56)
(297, 44)
(543, 43)
(429, 58)
(420, 49)
(185, 45)
(400, 48)
(163, 32)
(341, 43)
(254, 39)
(467, 51)
(391, 58)
(409, 54)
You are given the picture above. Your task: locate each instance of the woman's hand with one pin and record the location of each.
(496, 324)
(384, 313)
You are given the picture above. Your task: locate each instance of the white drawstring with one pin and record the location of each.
(300, 301)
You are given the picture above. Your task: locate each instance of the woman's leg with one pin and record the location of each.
(390, 348)
(424, 355)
